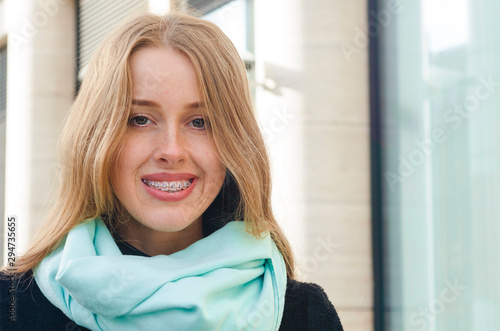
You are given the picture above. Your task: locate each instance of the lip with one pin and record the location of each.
(166, 177)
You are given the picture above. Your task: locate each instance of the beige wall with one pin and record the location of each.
(41, 85)
(313, 106)
(3, 32)
(314, 109)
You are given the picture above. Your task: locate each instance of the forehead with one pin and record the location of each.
(161, 70)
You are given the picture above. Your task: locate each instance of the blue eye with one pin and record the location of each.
(139, 120)
(198, 123)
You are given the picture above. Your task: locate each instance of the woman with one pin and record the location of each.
(163, 219)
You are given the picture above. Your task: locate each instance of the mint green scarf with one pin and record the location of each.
(229, 280)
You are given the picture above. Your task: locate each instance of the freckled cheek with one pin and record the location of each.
(208, 161)
(137, 148)
(218, 173)
(119, 174)
(125, 168)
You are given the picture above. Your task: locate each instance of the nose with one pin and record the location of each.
(170, 147)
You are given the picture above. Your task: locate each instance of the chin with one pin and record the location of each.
(170, 224)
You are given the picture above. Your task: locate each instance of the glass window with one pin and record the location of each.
(235, 18)
(440, 105)
(236, 21)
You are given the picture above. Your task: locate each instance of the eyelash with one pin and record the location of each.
(132, 121)
(198, 119)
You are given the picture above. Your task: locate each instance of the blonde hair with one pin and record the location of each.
(97, 121)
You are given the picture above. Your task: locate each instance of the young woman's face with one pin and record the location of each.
(168, 172)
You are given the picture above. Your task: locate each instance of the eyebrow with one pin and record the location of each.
(195, 105)
(146, 103)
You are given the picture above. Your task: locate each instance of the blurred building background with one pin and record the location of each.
(381, 118)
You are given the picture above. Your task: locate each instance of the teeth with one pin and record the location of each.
(171, 187)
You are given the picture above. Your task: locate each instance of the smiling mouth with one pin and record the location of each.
(170, 187)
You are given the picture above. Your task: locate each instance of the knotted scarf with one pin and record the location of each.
(230, 280)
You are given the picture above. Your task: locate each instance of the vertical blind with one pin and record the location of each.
(206, 6)
(96, 19)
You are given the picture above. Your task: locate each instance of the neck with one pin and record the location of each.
(153, 242)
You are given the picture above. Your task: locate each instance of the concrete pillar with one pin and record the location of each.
(3, 32)
(160, 6)
(279, 106)
(313, 102)
(41, 87)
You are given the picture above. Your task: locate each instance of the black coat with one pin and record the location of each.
(306, 306)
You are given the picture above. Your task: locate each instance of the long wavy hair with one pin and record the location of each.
(96, 124)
